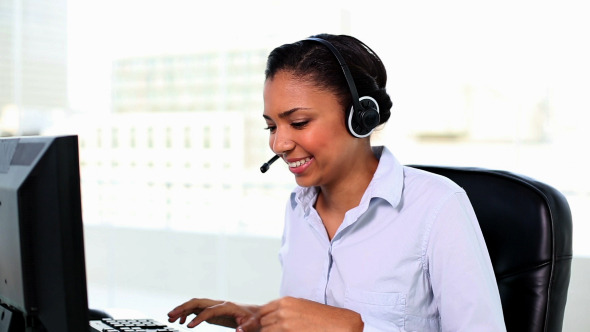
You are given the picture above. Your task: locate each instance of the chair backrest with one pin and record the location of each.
(527, 226)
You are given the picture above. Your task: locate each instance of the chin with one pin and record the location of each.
(303, 181)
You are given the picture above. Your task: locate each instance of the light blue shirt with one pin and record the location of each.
(410, 257)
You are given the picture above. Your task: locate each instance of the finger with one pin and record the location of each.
(250, 325)
(193, 306)
(178, 316)
(174, 314)
(206, 314)
(197, 320)
(174, 317)
(268, 308)
(271, 313)
(269, 319)
(182, 310)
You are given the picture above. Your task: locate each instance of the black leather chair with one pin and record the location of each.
(527, 226)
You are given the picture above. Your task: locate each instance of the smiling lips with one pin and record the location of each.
(300, 165)
(299, 162)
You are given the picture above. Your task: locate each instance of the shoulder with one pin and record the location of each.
(422, 182)
(437, 199)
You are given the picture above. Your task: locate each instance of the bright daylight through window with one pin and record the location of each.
(166, 98)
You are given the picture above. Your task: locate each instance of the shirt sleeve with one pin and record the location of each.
(460, 270)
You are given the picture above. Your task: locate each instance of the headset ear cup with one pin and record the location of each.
(361, 123)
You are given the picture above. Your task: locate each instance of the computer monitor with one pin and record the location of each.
(42, 267)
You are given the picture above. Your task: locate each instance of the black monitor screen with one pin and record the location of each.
(42, 267)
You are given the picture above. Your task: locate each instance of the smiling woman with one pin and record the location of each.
(308, 125)
(166, 97)
(368, 244)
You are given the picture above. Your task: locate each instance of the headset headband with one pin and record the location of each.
(347, 74)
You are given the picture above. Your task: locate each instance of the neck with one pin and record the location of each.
(341, 196)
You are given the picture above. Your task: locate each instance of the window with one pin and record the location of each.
(169, 117)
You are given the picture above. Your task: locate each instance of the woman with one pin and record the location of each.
(368, 244)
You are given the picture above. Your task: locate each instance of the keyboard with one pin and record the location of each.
(128, 325)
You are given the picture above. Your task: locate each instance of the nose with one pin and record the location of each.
(281, 142)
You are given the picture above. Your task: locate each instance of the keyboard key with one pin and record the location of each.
(135, 325)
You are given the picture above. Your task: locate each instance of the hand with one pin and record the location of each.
(213, 312)
(292, 314)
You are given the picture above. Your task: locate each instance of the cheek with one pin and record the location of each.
(322, 140)
(328, 139)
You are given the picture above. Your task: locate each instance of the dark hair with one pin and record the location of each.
(313, 62)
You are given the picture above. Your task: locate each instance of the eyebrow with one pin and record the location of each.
(287, 113)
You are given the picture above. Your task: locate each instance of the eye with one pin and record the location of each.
(299, 125)
(271, 128)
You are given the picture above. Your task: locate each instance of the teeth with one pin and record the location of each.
(299, 162)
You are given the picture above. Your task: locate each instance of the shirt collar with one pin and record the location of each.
(388, 180)
(387, 184)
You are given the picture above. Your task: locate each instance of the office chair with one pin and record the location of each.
(527, 226)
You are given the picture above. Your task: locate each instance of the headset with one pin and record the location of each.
(363, 116)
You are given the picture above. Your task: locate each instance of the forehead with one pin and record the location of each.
(287, 82)
(284, 101)
(286, 88)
